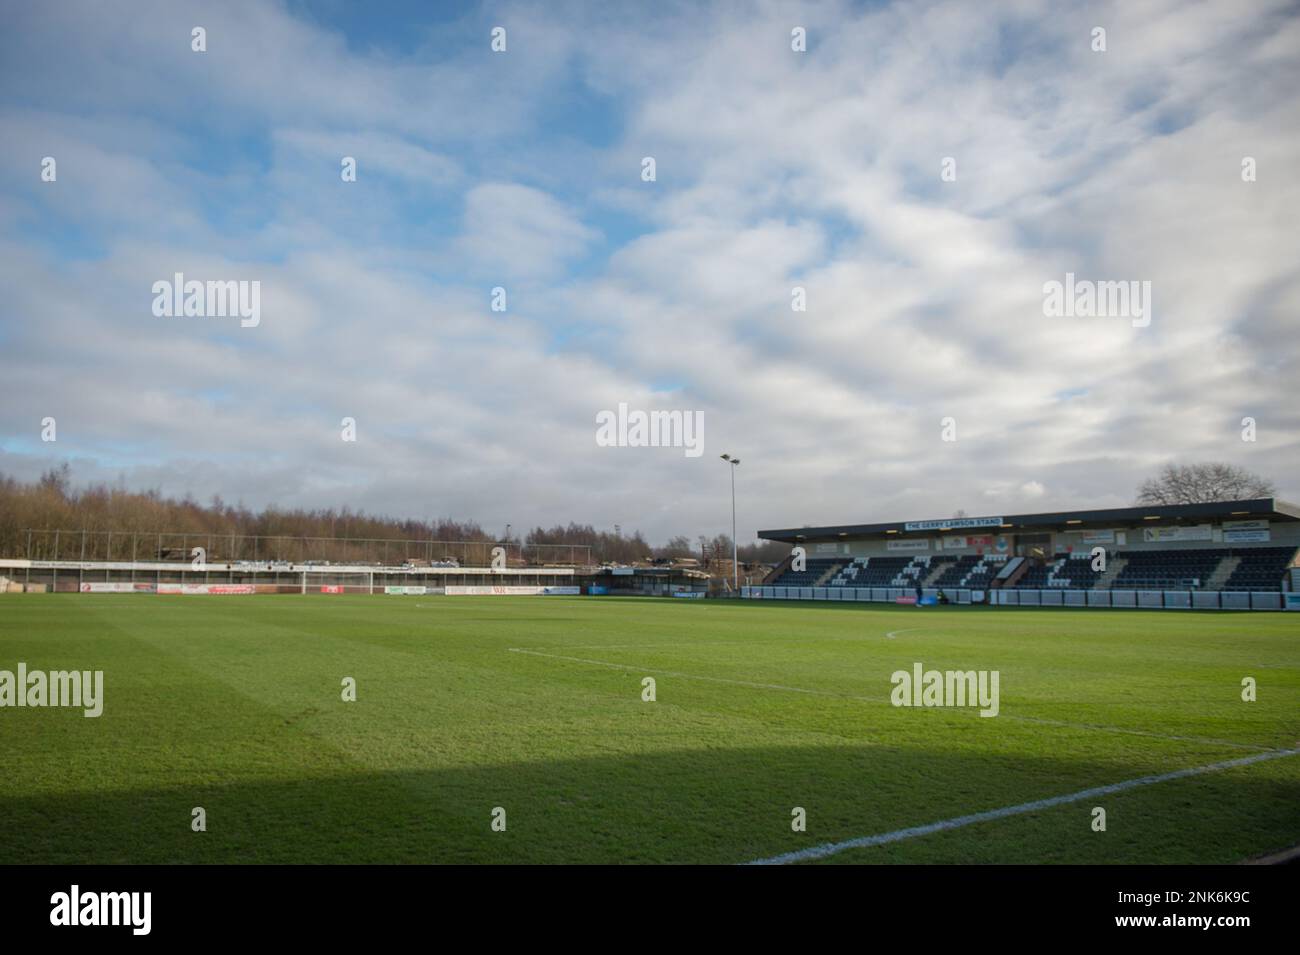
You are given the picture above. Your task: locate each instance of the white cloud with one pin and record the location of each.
(775, 169)
(520, 232)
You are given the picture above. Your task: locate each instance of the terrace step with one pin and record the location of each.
(830, 572)
(937, 570)
(1113, 568)
(1014, 572)
(1221, 573)
(775, 574)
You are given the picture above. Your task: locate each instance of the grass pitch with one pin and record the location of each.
(535, 705)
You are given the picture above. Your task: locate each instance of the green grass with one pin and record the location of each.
(233, 704)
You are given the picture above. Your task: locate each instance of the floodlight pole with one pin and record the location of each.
(735, 562)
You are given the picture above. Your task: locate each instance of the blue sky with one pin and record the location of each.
(775, 169)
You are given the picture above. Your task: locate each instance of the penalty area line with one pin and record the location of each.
(898, 835)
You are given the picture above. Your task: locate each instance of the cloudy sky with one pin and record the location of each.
(774, 169)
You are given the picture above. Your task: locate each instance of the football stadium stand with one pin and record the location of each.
(1225, 555)
(1260, 569)
(810, 575)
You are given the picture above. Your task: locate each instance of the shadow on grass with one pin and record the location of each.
(709, 806)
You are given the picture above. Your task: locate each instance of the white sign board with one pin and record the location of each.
(956, 523)
(1246, 537)
(1197, 532)
(922, 544)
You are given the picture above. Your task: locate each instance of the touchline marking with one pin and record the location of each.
(898, 835)
(885, 699)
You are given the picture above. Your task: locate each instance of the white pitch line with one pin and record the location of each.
(639, 646)
(898, 835)
(692, 676)
(1132, 732)
(894, 633)
(882, 699)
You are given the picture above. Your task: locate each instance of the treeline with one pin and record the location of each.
(143, 525)
(122, 525)
(605, 546)
(625, 549)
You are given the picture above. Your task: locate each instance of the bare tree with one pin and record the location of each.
(679, 546)
(1203, 483)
